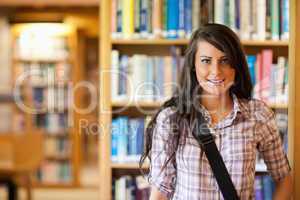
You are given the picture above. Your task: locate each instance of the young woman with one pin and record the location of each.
(215, 81)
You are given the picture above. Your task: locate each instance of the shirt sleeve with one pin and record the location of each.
(271, 148)
(163, 144)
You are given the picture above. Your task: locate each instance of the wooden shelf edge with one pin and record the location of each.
(127, 166)
(136, 104)
(185, 42)
(38, 184)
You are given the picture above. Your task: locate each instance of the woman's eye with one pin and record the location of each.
(224, 61)
(205, 61)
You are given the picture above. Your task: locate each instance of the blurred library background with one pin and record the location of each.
(72, 109)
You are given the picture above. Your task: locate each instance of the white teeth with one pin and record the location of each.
(216, 82)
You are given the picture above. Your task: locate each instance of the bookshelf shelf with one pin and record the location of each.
(58, 157)
(41, 60)
(52, 185)
(127, 166)
(185, 42)
(279, 106)
(144, 104)
(149, 42)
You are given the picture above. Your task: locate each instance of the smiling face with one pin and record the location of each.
(214, 73)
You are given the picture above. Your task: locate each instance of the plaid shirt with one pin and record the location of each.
(249, 128)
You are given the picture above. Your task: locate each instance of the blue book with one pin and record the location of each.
(119, 16)
(181, 19)
(251, 59)
(258, 188)
(173, 18)
(284, 19)
(237, 15)
(122, 140)
(114, 140)
(267, 187)
(144, 15)
(132, 136)
(140, 136)
(188, 25)
(124, 62)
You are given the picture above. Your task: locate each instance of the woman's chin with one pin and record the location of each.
(214, 93)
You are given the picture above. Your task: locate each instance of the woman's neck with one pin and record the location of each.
(217, 106)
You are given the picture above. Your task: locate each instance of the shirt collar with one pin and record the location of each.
(239, 109)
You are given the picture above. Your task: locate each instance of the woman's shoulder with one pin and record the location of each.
(257, 109)
(165, 114)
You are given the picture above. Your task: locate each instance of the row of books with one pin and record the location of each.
(53, 123)
(137, 188)
(131, 188)
(50, 99)
(270, 79)
(264, 187)
(127, 138)
(53, 172)
(145, 78)
(57, 147)
(42, 74)
(255, 19)
(28, 46)
(153, 78)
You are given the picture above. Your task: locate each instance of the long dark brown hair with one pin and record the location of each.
(225, 40)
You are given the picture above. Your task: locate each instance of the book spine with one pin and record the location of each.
(275, 19)
(261, 19)
(144, 19)
(196, 14)
(119, 17)
(188, 25)
(181, 19)
(268, 19)
(127, 21)
(267, 187)
(114, 74)
(113, 17)
(258, 188)
(137, 17)
(245, 20)
(173, 18)
(165, 18)
(157, 15)
(237, 14)
(284, 19)
(219, 9)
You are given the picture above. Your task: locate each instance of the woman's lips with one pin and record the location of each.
(216, 81)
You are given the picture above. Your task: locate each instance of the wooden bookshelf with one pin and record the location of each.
(294, 97)
(285, 48)
(61, 134)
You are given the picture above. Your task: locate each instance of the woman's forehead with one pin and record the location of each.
(206, 49)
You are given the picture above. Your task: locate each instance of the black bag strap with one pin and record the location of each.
(206, 140)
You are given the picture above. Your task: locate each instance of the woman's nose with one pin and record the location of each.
(215, 68)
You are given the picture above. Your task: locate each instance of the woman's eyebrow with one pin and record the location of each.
(201, 56)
